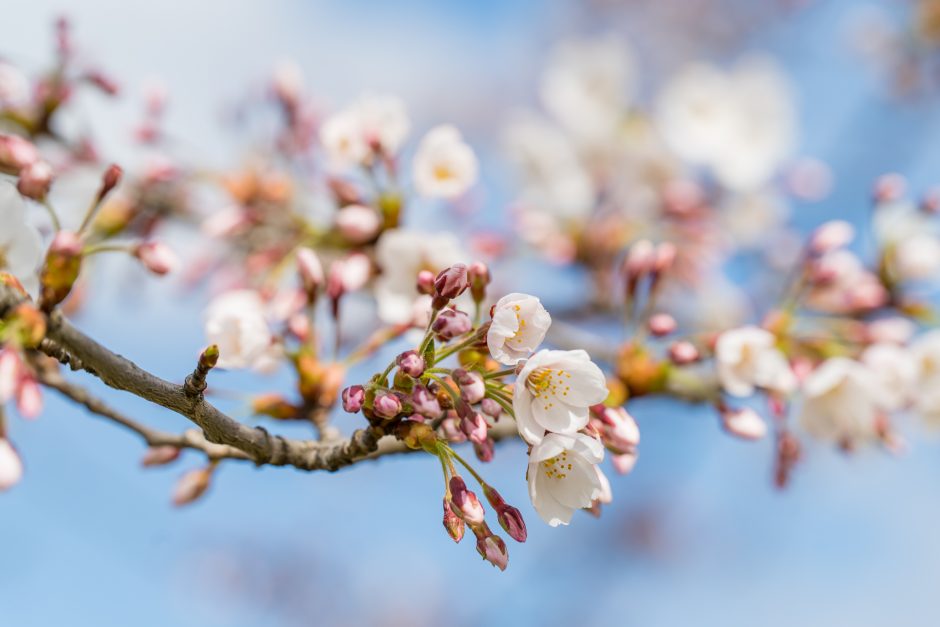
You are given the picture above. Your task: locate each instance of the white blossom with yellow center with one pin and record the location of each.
(444, 166)
(519, 326)
(563, 476)
(554, 391)
(747, 358)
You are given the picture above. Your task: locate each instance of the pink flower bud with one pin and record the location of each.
(10, 368)
(471, 384)
(310, 270)
(493, 550)
(464, 502)
(109, 180)
(450, 429)
(61, 268)
(889, 187)
(485, 450)
(640, 260)
(478, 275)
(358, 224)
(682, 352)
(348, 275)
(665, 256)
(491, 408)
(16, 153)
(617, 429)
(831, 235)
(191, 486)
(411, 363)
(424, 402)
(743, 423)
(451, 283)
(160, 455)
(474, 427)
(353, 398)
(425, 282)
(451, 323)
(35, 180)
(510, 518)
(157, 257)
(453, 523)
(11, 467)
(623, 464)
(29, 398)
(386, 406)
(662, 324)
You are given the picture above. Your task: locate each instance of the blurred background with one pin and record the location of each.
(697, 533)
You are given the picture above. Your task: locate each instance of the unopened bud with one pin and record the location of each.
(451, 323)
(192, 485)
(160, 455)
(109, 180)
(411, 363)
(28, 397)
(386, 406)
(831, 235)
(416, 435)
(157, 257)
(510, 519)
(27, 325)
(665, 256)
(491, 408)
(485, 450)
(35, 180)
(618, 430)
(683, 352)
(493, 549)
(471, 384)
(450, 283)
(358, 224)
(353, 398)
(310, 270)
(453, 523)
(661, 324)
(743, 423)
(478, 276)
(889, 187)
(425, 282)
(61, 268)
(10, 368)
(623, 464)
(464, 502)
(426, 403)
(16, 153)
(474, 427)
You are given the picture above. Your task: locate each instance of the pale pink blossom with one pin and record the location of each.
(358, 223)
(563, 476)
(444, 166)
(519, 325)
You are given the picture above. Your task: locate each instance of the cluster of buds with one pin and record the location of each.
(619, 433)
(463, 509)
(19, 157)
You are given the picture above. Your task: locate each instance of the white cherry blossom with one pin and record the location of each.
(553, 392)
(925, 352)
(518, 328)
(563, 476)
(747, 358)
(444, 166)
(236, 322)
(841, 402)
(402, 254)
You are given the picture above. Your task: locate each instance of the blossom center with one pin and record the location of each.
(520, 327)
(556, 467)
(548, 384)
(443, 173)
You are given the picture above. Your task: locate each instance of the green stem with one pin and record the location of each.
(500, 373)
(469, 468)
(56, 223)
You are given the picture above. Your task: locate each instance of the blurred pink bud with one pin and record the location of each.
(299, 325)
(310, 270)
(464, 502)
(453, 523)
(683, 352)
(348, 275)
(682, 197)
(11, 467)
(160, 455)
(357, 223)
(424, 402)
(623, 464)
(640, 260)
(353, 398)
(474, 427)
(16, 153)
(830, 236)
(662, 324)
(226, 222)
(450, 429)
(472, 386)
(618, 430)
(451, 323)
(493, 550)
(386, 406)
(743, 423)
(425, 282)
(157, 257)
(810, 179)
(665, 256)
(411, 363)
(478, 275)
(192, 485)
(485, 450)
(35, 180)
(930, 203)
(110, 179)
(893, 330)
(869, 294)
(10, 367)
(28, 397)
(491, 408)
(103, 82)
(889, 187)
